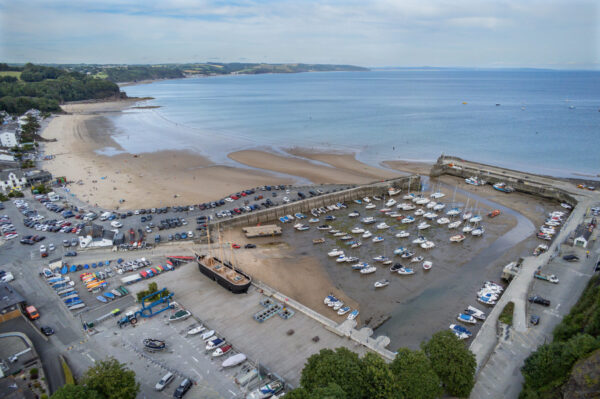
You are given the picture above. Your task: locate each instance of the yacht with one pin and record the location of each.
(367, 234)
(408, 219)
(402, 234)
(378, 239)
(457, 238)
(443, 221)
(419, 240)
(454, 224)
(390, 202)
(357, 230)
(453, 212)
(382, 226)
(428, 245)
(422, 226)
(419, 212)
(478, 231)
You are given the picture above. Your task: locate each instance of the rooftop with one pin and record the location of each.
(9, 296)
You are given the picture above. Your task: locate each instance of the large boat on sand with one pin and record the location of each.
(224, 273)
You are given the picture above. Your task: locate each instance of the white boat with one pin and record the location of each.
(390, 202)
(368, 220)
(353, 314)
(366, 199)
(466, 318)
(405, 271)
(333, 303)
(339, 234)
(356, 244)
(394, 215)
(353, 214)
(423, 226)
(428, 245)
(475, 219)
(486, 300)
(416, 259)
(357, 230)
(454, 224)
(473, 311)
(443, 221)
(324, 227)
(382, 226)
(419, 240)
(338, 305)
(379, 258)
(381, 283)
(419, 212)
(376, 198)
(341, 259)
(367, 234)
(459, 333)
(478, 231)
(351, 259)
(422, 201)
(566, 206)
(405, 206)
(196, 330)
(221, 351)
(457, 238)
(409, 196)
(439, 207)
(467, 215)
(399, 251)
(335, 252)
(393, 191)
(346, 237)
(430, 215)
(408, 219)
(402, 234)
(385, 210)
(302, 227)
(333, 231)
(313, 220)
(234, 360)
(453, 212)
(437, 195)
(377, 239)
(427, 265)
(473, 180)
(328, 299)
(371, 206)
(467, 229)
(431, 204)
(215, 343)
(406, 254)
(368, 270)
(343, 310)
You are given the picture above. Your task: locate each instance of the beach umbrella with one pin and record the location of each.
(86, 266)
(107, 263)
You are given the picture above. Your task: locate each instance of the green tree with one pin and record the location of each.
(380, 382)
(112, 380)
(342, 367)
(415, 375)
(331, 391)
(452, 361)
(75, 392)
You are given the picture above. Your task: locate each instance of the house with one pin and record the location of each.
(36, 177)
(12, 180)
(10, 302)
(582, 235)
(8, 139)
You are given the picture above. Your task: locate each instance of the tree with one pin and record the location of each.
(415, 376)
(112, 380)
(331, 391)
(342, 367)
(379, 379)
(452, 362)
(70, 391)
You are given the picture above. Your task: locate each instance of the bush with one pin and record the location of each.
(69, 379)
(506, 316)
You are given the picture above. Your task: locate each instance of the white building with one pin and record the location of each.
(12, 179)
(8, 139)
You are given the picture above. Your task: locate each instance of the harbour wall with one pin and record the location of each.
(528, 183)
(405, 183)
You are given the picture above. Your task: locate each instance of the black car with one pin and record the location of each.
(571, 258)
(47, 331)
(182, 388)
(247, 246)
(539, 300)
(71, 253)
(534, 319)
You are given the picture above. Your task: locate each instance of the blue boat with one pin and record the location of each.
(102, 299)
(75, 303)
(86, 266)
(461, 329)
(330, 217)
(466, 318)
(64, 269)
(93, 265)
(109, 295)
(73, 268)
(66, 294)
(71, 300)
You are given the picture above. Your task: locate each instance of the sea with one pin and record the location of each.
(542, 121)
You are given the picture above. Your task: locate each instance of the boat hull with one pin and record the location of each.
(222, 281)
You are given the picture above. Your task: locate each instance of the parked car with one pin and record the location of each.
(539, 300)
(534, 319)
(116, 224)
(166, 380)
(182, 388)
(571, 258)
(46, 330)
(66, 243)
(248, 246)
(71, 253)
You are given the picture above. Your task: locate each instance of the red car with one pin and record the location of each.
(234, 197)
(235, 246)
(244, 194)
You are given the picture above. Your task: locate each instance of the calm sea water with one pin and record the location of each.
(546, 121)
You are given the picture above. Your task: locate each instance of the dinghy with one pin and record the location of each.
(427, 265)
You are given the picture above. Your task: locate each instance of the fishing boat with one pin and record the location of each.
(457, 238)
(427, 265)
(454, 224)
(416, 259)
(368, 220)
(478, 231)
(208, 334)
(342, 311)
(234, 360)
(196, 330)
(371, 206)
(335, 253)
(382, 226)
(453, 212)
(423, 226)
(408, 219)
(467, 229)
(473, 311)
(443, 221)
(353, 314)
(368, 270)
(382, 283)
(402, 234)
(356, 244)
(503, 187)
(180, 315)
(428, 245)
(378, 239)
(318, 241)
(466, 318)
(460, 331)
(215, 343)
(405, 271)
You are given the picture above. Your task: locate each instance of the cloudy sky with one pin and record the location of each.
(471, 33)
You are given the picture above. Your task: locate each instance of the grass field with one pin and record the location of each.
(101, 75)
(16, 74)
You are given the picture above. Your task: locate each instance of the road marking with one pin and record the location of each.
(231, 392)
(196, 360)
(91, 358)
(195, 371)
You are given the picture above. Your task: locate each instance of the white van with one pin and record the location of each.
(105, 216)
(166, 380)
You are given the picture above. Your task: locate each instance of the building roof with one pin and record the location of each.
(583, 231)
(4, 173)
(9, 296)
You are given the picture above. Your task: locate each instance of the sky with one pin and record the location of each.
(374, 33)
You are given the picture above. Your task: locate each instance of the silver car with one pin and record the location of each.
(166, 380)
